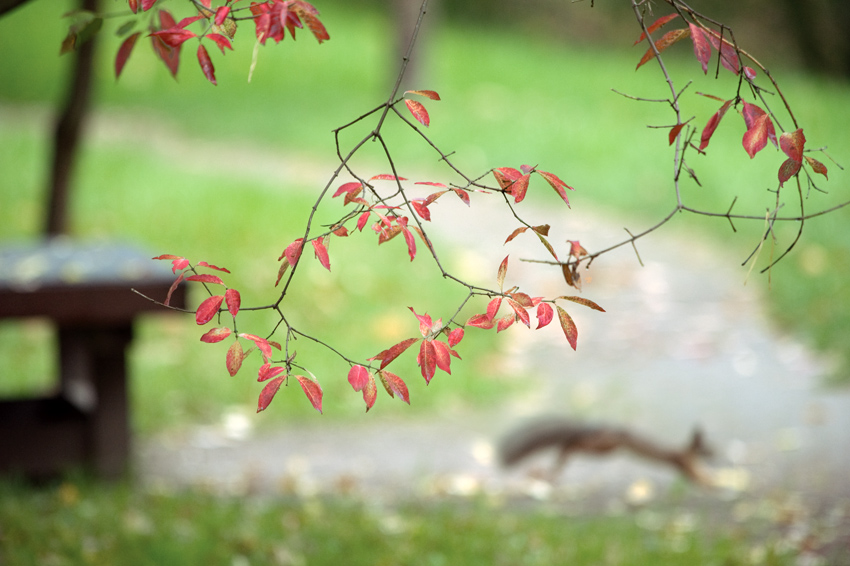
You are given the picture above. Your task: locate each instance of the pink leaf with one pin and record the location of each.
(348, 188)
(312, 390)
(321, 252)
(655, 25)
(124, 53)
(394, 385)
(216, 335)
(220, 40)
(370, 393)
(173, 288)
(387, 177)
(556, 183)
(520, 187)
(545, 313)
(267, 371)
(234, 358)
(358, 377)
(712, 124)
(792, 144)
(442, 356)
(221, 14)
(293, 252)
(702, 49)
(569, 327)
(205, 264)
(520, 312)
(411, 243)
(206, 278)
(505, 322)
(728, 54)
(755, 139)
(480, 321)
(427, 360)
(418, 110)
(455, 336)
(426, 93)
(234, 300)
(503, 270)
(363, 220)
(208, 309)
(263, 344)
(268, 393)
(206, 64)
(395, 351)
(788, 169)
(493, 307)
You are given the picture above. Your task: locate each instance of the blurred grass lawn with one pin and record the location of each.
(507, 99)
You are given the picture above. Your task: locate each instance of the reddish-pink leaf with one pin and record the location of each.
(234, 358)
(206, 278)
(505, 322)
(321, 252)
(263, 344)
(443, 356)
(205, 264)
(674, 132)
(387, 177)
(392, 353)
(520, 311)
(427, 360)
(418, 110)
(506, 176)
(728, 53)
(268, 393)
(293, 252)
(147, 4)
(363, 220)
(523, 300)
(576, 249)
(370, 393)
(708, 131)
(817, 166)
(206, 64)
(455, 336)
(234, 300)
(792, 144)
(426, 93)
(655, 25)
(520, 187)
(267, 371)
(348, 188)
(426, 323)
(480, 321)
(503, 270)
(569, 327)
(358, 377)
(582, 301)
(309, 14)
(220, 14)
(208, 309)
(177, 262)
(666, 41)
(545, 313)
(421, 209)
(172, 289)
(220, 40)
(755, 139)
(312, 390)
(134, 5)
(493, 307)
(750, 73)
(216, 335)
(190, 20)
(174, 37)
(124, 52)
(394, 385)
(463, 195)
(702, 49)
(169, 55)
(516, 233)
(788, 169)
(556, 183)
(411, 243)
(751, 114)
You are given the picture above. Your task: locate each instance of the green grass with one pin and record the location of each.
(77, 522)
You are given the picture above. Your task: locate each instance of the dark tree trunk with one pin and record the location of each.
(67, 134)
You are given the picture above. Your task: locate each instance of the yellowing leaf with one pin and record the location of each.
(816, 165)
(666, 41)
(568, 326)
(418, 111)
(234, 358)
(655, 25)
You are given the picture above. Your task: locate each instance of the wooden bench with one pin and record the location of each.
(85, 290)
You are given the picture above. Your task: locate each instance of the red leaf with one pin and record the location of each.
(792, 144)
(442, 355)
(751, 114)
(267, 371)
(263, 344)
(370, 393)
(348, 188)
(455, 336)
(392, 353)
(426, 324)
(394, 385)
(493, 307)
(480, 321)
(520, 311)
(206, 278)
(216, 335)
(523, 300)
(708, 131)
(520, 187)
(169, 55)
(173, 288)
(208, 309)
(582, 301)
(505, 322)
(666, 41)
(233, 301)
(268, 393)
(788, 169)
(293, 252)
(516, 233)
(312, 390)
(147, 5)
(220, 14)
(755, 139)
(426, 93)
(702, 49)
(503, 270)
(421, 209)
(411, 243)
(427, 360)
(816, 165)
(124, 52)
(728, 54)
(387, 177)
(177, 261)
(174, 36)
(655, 25)
(321, 252)
(545, 313)
(556, 183)
(358, 377)
(234, 358)
(674, 132)
(134, 5)
(463, 195)
(309, 14)
(750, 73)
(569, 327)
(418, 110)
(506, 176)
(205, 264)
(206, 64)
(190, 20)
(220, 40)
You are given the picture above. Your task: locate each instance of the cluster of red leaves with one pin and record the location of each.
(760, 128)
(211, 307)
(271, 18)
(515, 182)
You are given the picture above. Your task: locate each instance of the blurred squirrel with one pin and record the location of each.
(570, 437)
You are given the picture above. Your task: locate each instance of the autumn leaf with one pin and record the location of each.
(358, 377)
(370, 393)
(220, 14)
(174, 36)
(755, 138)
(503, 270)
(124, 52)
(792, 144)
(321, 252)
(220, 40)
(712, 124)
(387, 177)
(728, 53)
(234, 300)
(702, 48)
(505, 322)
(557, 184)
(268, 393)
(206, 278)
(348, 188)
(569, 327)
(480, 321)
(216, 335)
(177, 262)
(582, 301)
(666, 41)
(443, 356)
(263, 344)
(293, 252)
(234, 358)
(455, 336)
(506, 176)
(208, 309)
(788, 169)
(520, 312)
(394, 385)
(751, 114)
(392, 353)
(520, 188)
(816, 165)
(426, 93)
(418, 111)
(545, 313)
(206, 64)
(516, 233)
(655, 25)
(205, 264)
(267, 371)
(674, 132)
